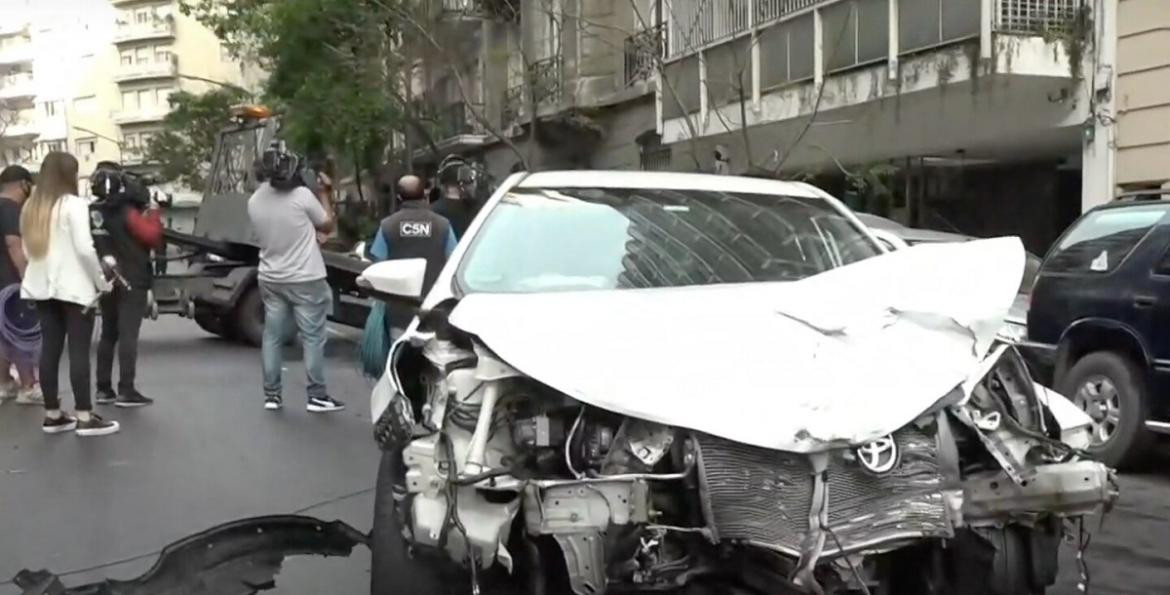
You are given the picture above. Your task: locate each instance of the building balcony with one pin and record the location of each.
(147, 70)
(644, 51)
(18, 88)
(160, 28)
(144, 115)
(13, 27)
(544, 80)
(475, 10)
(939, 76)
(20, 53)
(23, 129)
(454, 129)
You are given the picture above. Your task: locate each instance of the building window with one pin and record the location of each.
(127, 59)
(653, 156)
(52, 108)
(85, 106)
(129, 100)
(86, 147)
(143, 16)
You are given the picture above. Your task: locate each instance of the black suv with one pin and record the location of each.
(1099, 323)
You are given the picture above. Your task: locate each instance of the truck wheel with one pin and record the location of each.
(1112, 390)
(249, 317)
(210, 322)
(248, 325)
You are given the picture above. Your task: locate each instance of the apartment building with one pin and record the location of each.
(995, 115)
(1142, 142)
(94, 76)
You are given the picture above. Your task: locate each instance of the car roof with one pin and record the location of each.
(666, 180)
(1131, 199)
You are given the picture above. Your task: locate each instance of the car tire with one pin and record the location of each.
(1131, 440)
(1011, 572)
(392, 569)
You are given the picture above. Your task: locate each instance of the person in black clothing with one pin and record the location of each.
(123, 228)
(16, 185)
(457, 201)
(414, 231)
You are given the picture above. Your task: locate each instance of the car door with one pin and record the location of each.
(1151, 299)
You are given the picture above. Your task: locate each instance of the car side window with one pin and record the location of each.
(1162, 267)
(1101, 240)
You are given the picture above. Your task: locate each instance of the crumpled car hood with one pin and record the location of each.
(843, 357)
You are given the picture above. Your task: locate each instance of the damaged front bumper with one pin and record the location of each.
(237, 558)
(1071, 489)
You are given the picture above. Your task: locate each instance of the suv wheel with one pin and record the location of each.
(1110, 388)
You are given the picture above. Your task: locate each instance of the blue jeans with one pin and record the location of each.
(309, 303)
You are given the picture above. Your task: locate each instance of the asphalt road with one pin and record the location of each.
(207, 453)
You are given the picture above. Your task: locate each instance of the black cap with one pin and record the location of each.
(15, 173)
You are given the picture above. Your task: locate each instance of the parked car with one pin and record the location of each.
(643, 382)
(1099, 323)
(895, 236)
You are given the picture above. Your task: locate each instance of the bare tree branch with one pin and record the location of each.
(426, 35)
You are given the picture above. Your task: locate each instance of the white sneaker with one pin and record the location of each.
(30, 396)
(9, 389)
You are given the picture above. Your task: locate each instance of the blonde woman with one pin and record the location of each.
(64, 278)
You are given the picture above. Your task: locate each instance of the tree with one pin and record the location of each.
(330, 63)
(185, 146)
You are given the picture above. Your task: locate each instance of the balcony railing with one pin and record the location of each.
(546, 82)
(17, 86)
(157, 28)
(19, 52)
(505, 10)
(1037, 16)
(144, 70)
(643, 52)
(141, 114)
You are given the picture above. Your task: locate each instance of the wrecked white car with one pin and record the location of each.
(634, 382)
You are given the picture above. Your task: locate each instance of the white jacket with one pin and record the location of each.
(70, 271)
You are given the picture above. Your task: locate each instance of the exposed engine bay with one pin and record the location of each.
(499, 466)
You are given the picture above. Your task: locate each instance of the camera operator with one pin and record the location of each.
(289, 212)
(125, 227)
(458, 201)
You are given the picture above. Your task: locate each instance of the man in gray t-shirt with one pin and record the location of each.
(287, 217)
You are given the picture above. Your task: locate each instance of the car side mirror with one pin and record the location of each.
(395, 280)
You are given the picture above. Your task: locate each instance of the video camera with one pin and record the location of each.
(285, 170)
(112, 185)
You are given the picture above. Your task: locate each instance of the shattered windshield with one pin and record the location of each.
(557, 239)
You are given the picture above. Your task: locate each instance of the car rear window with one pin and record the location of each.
(1102, 239)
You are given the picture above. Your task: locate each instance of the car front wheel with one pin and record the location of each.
(393, 570)
(1111, 389)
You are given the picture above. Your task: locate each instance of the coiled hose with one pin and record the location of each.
(20, 331)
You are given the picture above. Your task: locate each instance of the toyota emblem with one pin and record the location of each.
(879, 456)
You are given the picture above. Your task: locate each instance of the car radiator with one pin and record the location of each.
(764, 496)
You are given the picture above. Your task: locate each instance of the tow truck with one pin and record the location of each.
(219, 289)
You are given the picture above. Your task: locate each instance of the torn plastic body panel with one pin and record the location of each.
(237, 558)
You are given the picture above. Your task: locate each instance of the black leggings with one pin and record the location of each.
(58, 320)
